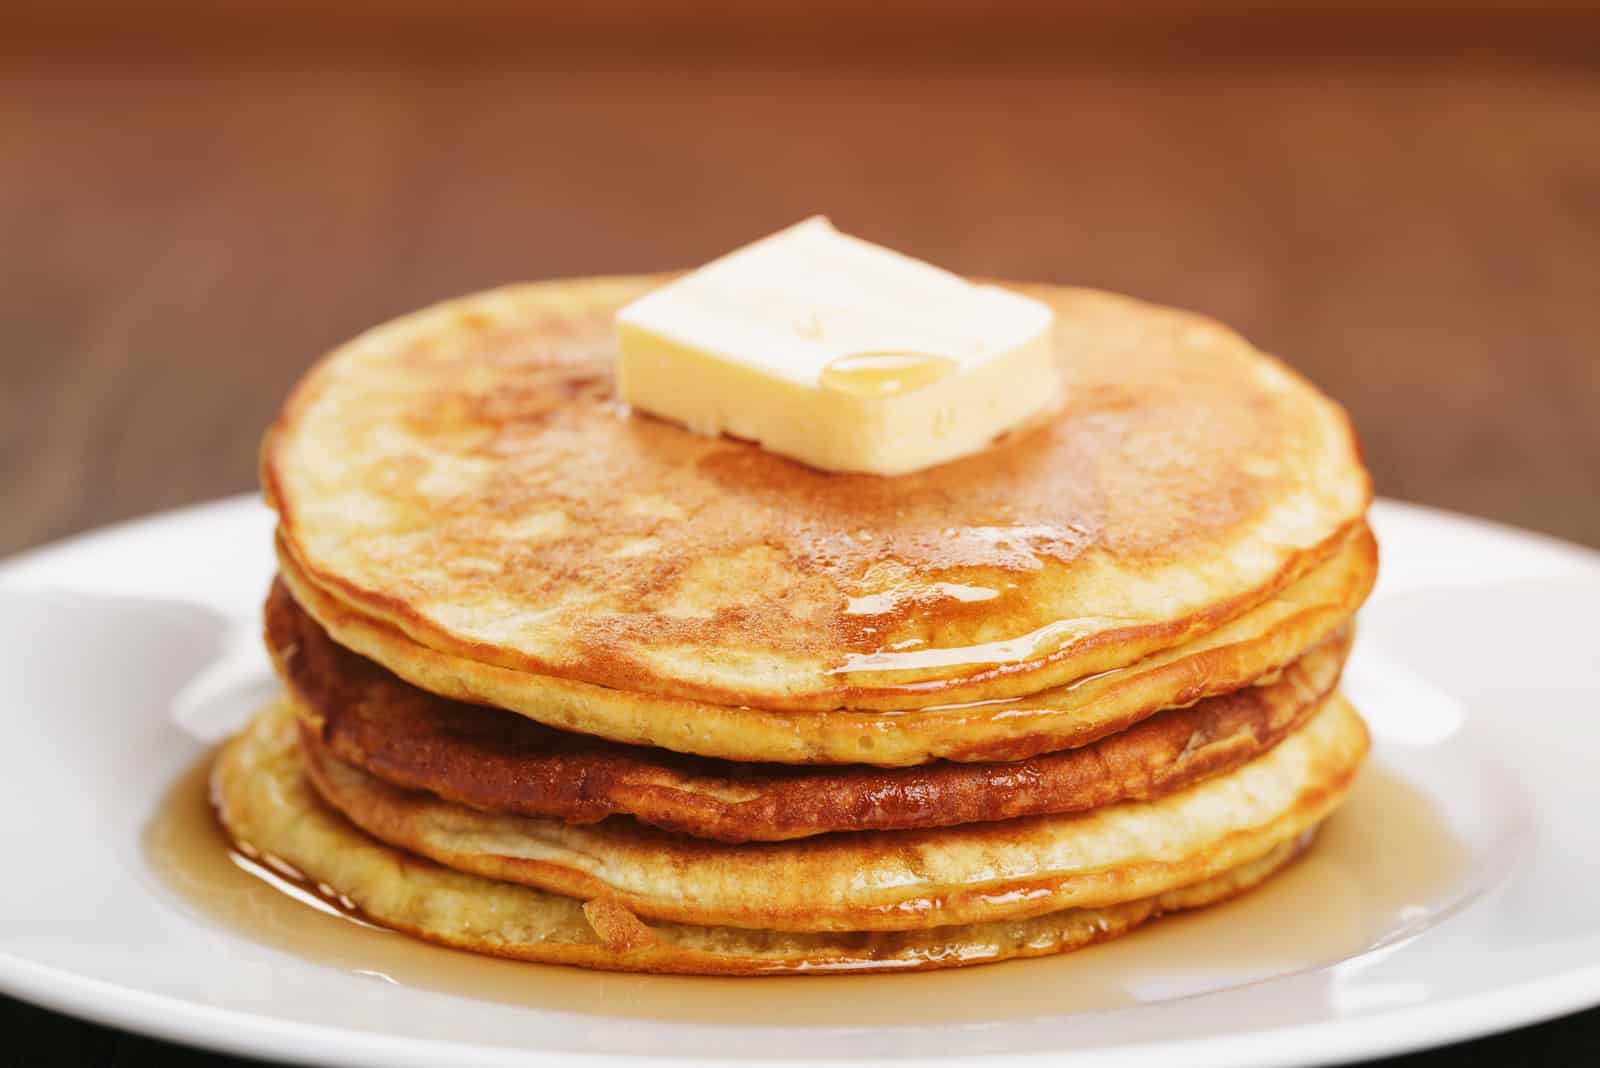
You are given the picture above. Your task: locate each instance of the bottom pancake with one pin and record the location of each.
(266, 804)
(881, 880)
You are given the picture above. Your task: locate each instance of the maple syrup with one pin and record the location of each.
(1383, 860)
(884, 374)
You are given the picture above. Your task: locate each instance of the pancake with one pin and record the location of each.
(466, 477)
(890, 880)
(1300, 617)
(501, 762)
(267, 806)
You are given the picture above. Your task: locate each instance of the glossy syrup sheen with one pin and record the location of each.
(885, 374)
(1382, 861)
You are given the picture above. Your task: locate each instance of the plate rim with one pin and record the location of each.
(1395, 1030)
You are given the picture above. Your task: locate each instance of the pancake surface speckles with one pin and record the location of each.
(465, 476)
(501, 762)
(265, 803)
(890, 880)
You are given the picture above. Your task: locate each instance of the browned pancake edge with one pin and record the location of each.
(499, 761)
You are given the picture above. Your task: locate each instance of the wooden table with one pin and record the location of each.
(182, 235)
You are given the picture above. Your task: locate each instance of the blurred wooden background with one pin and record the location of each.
(197, 198)
(956, 27)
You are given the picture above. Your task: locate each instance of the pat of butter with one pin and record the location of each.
(838, 353)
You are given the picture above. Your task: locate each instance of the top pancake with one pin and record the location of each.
(1259, 642)
(466, 475)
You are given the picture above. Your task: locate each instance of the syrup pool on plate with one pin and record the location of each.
(1379, 859)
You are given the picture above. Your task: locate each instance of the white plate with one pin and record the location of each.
(122, 653)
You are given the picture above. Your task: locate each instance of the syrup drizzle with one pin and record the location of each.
(885, 374)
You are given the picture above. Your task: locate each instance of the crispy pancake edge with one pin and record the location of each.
(1301, 617)
(500, 762)
(888, 880)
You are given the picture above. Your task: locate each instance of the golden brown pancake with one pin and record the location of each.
(501, 762)
(1300, 617)
(266, 804)
(881, 880)
(466, 476)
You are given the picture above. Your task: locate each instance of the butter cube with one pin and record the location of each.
(838, 353)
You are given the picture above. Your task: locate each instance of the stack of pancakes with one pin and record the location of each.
(568, 683)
